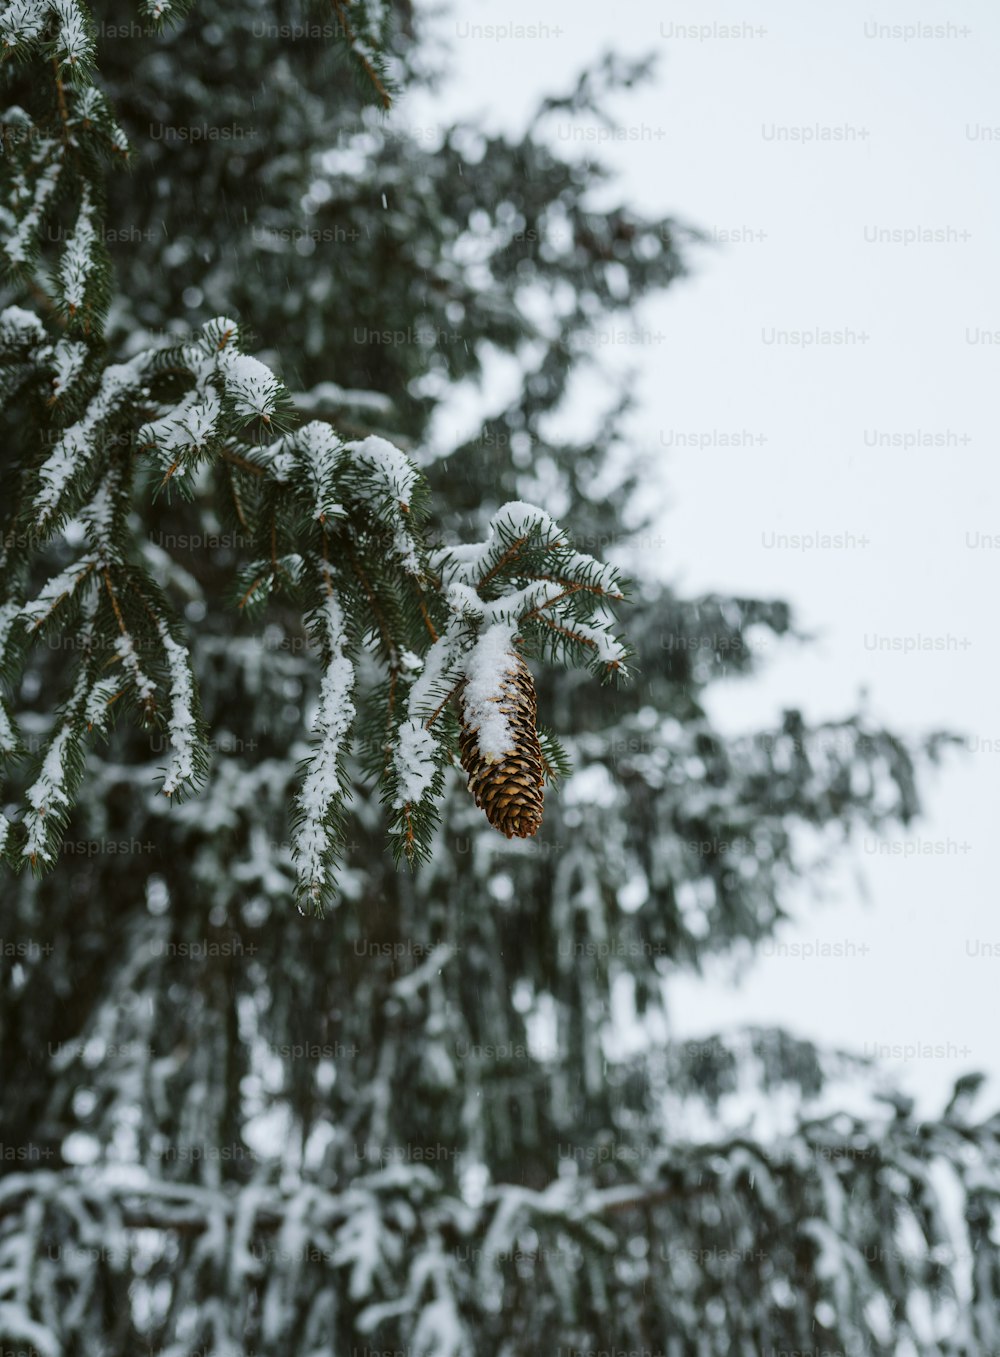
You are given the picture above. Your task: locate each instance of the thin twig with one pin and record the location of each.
(511, 551)
(369, 69)
(443, 703)
(427, 621)
(148, 702)
(61, 99)
(228, 456)
(573, 589)
(567, 631)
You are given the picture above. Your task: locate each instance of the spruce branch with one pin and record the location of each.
(364, 49)
(333, 528)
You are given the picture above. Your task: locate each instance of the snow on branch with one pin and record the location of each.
(20, 331)
(22, 22)
(82, 445)
(182, 720)
(229, 388)
(10, 741)
(414, 761)
(362, 27)
(341, 522)
(156, 9)
(50, 796)
(68, 359)
(397, 1245)
(47, 793)
(309, 459)
(144, 686)
(319, 454)
(78, 261)
(73, 42)
(30, 201)
(253, 388)
(318, 803)
(333, 528)
(394, 473)
(387, 480)
(56, 591)
(522, 588)
(185, 429)
(509, 528)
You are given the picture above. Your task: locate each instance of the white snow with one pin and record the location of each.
(405, 549)
(17, 245)
(465, 567)
(9, 612)
(394, 475)
(518, 520)
(181, 723)
(253, 388)
(608, 650)
(18, 326)
(22, 21)
(8, 740)
(186, 427)
(393, 466)
(318, 448)
(328, 395)
(440, 1331)
(79, 444)
(73, 41)
(487, 666)
(280, 460)
(125, 650)
(99, 700)
(67, 362)
(414, 762)
(192, 422)
(54, 590)
(98, 513)
(90, 105)
(79, 258)
(436, 673)
(20, 1329)
(358, 1245)
(46, 793)
(322, 787)
(463, 600)
(478, 643)
(216, 334)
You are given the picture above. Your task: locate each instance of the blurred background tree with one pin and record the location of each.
(410, 1125)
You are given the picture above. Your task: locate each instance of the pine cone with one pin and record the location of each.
(509, 789)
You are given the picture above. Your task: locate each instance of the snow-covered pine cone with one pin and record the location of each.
(509, 788)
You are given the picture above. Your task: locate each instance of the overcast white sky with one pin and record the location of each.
(808, 133)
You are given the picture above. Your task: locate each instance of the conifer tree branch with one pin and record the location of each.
(61, 99)
(453, 692)
(431, 629)
(345, 516)
(509, 555)
(339, 7)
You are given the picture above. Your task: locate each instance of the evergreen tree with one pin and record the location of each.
(393, 1118)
